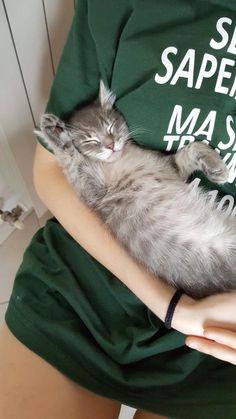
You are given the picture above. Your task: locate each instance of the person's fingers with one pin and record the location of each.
(212, 348)
(226, 337)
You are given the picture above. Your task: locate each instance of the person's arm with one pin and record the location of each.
(190, 316)
(88, 230)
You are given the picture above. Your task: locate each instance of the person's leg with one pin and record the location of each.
(32, 388)
(140, 414)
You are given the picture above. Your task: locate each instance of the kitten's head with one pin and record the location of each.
(97, 130)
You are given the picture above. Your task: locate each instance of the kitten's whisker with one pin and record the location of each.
(69, 125)
(139, 131)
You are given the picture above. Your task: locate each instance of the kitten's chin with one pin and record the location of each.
(115, 155)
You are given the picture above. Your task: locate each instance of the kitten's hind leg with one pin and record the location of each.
(200, 156)
(54, 132)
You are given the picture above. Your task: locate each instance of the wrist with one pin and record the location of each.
(186, 317)
(171, 308)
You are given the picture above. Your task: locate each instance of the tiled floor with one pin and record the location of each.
(11, 252)
(126, 412)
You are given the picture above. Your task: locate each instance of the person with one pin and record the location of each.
(84, 328)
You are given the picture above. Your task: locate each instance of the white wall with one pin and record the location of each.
(32, 34)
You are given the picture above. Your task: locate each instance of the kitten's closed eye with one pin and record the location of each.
(91, 140)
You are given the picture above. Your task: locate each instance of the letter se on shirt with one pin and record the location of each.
(209, 64)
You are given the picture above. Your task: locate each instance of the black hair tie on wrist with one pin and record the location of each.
(170, 311)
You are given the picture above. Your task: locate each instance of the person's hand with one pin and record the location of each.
(220, 343)
(210, 324)
(192, 317)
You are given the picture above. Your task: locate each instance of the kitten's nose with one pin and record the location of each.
(110, 146)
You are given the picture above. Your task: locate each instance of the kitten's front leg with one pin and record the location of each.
(59, 138)
(200, 156)
(55, 133)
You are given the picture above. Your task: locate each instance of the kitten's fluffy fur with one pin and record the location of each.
(143, 198)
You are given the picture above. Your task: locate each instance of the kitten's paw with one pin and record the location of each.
(214, 168)
(50, 123)
(54, 129)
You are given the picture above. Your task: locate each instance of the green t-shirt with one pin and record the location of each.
(172, 65)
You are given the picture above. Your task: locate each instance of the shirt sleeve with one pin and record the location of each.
(77, 76)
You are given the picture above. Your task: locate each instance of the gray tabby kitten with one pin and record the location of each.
(142, 196)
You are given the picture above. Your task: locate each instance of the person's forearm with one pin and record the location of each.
(88, 230)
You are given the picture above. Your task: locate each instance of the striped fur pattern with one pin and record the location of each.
(169, 226)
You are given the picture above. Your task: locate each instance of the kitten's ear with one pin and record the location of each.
(106, 97)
